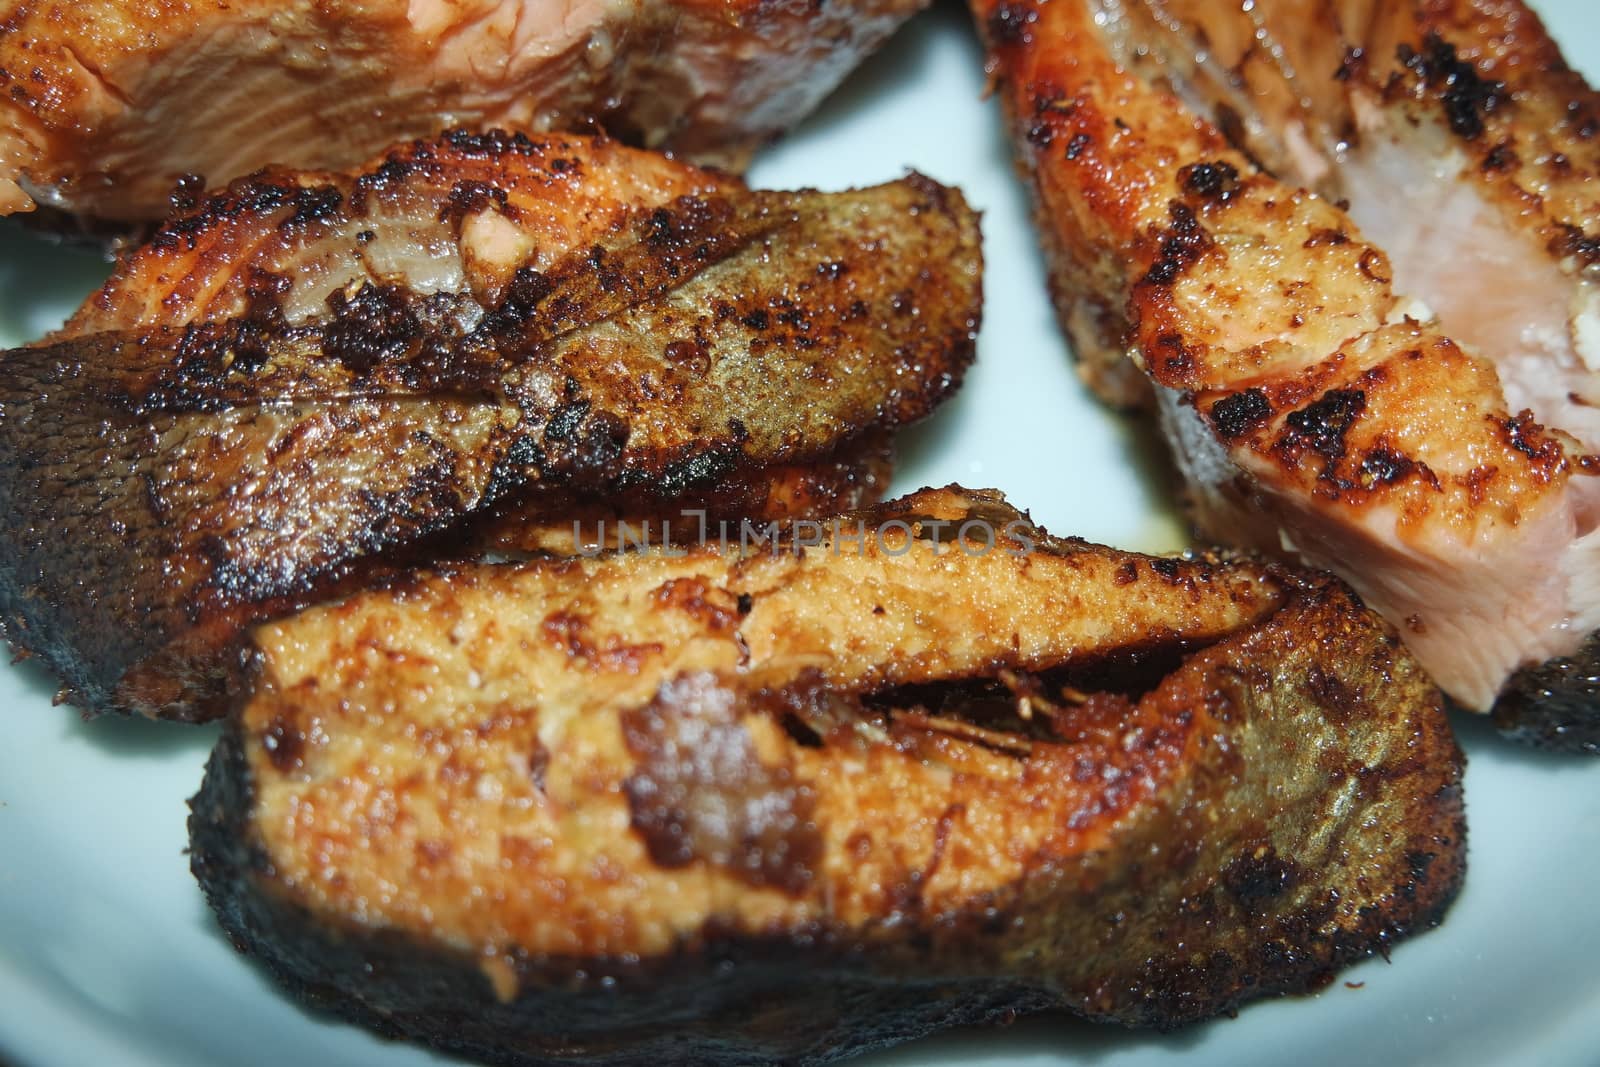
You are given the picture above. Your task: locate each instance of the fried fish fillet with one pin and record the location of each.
(1443, 465)
(310, 376)
(105, 105)
(783, 802)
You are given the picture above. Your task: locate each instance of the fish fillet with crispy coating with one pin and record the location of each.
(314, 375)
(762, 804)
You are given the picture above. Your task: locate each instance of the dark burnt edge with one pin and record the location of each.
(235, 597)
(208, 694)
(426, 156)
(28, 621)
(265, 191)
(742, 494)
(459, 1013)
(450, 1005)
(18, 622)
(578, 458)
(1466, 95)
(109, 672)
(1420, 902)
(1555, 705)
(664, 476)
(749, 977)
(1376, 935)
(1183, 243)
(1171, 1002)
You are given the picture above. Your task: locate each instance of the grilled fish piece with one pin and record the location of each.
(1315, 403)
(107, 104)
(311, 377)
(782, 803)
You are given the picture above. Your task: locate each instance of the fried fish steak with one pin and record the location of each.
(313, 376)
(107, 105)
(1393, 379)
(787, 802)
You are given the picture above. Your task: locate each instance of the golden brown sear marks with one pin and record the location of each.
(1317, 407)
(309, 378)
(791, 801)
(108, 107)
(1308, 87)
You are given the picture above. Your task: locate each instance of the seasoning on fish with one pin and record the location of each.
(923, 766)
(312, 377)
(1350, 248)
(108, 107)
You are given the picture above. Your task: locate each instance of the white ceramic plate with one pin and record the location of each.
(108, 955)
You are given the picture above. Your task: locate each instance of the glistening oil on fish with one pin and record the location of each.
(105, 106)
(1349, 249)
(311, 379)
(737, 808)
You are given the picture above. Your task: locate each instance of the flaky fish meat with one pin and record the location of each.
(108, 106)
(1351, 250)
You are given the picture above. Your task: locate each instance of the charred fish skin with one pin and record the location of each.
(107, 105)
(564, 524)
(1551, 706)
(1315, 408)
(789, 806)
(309, 379)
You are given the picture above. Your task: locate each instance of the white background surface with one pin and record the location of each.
(108, 955)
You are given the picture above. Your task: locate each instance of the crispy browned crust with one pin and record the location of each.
(785, 807)
(565, 524)
(164, 484)
(1297, 396)
(1486, 70)
(1554, 705)
(1528, 128)
(106, 104)
(1256, 305)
